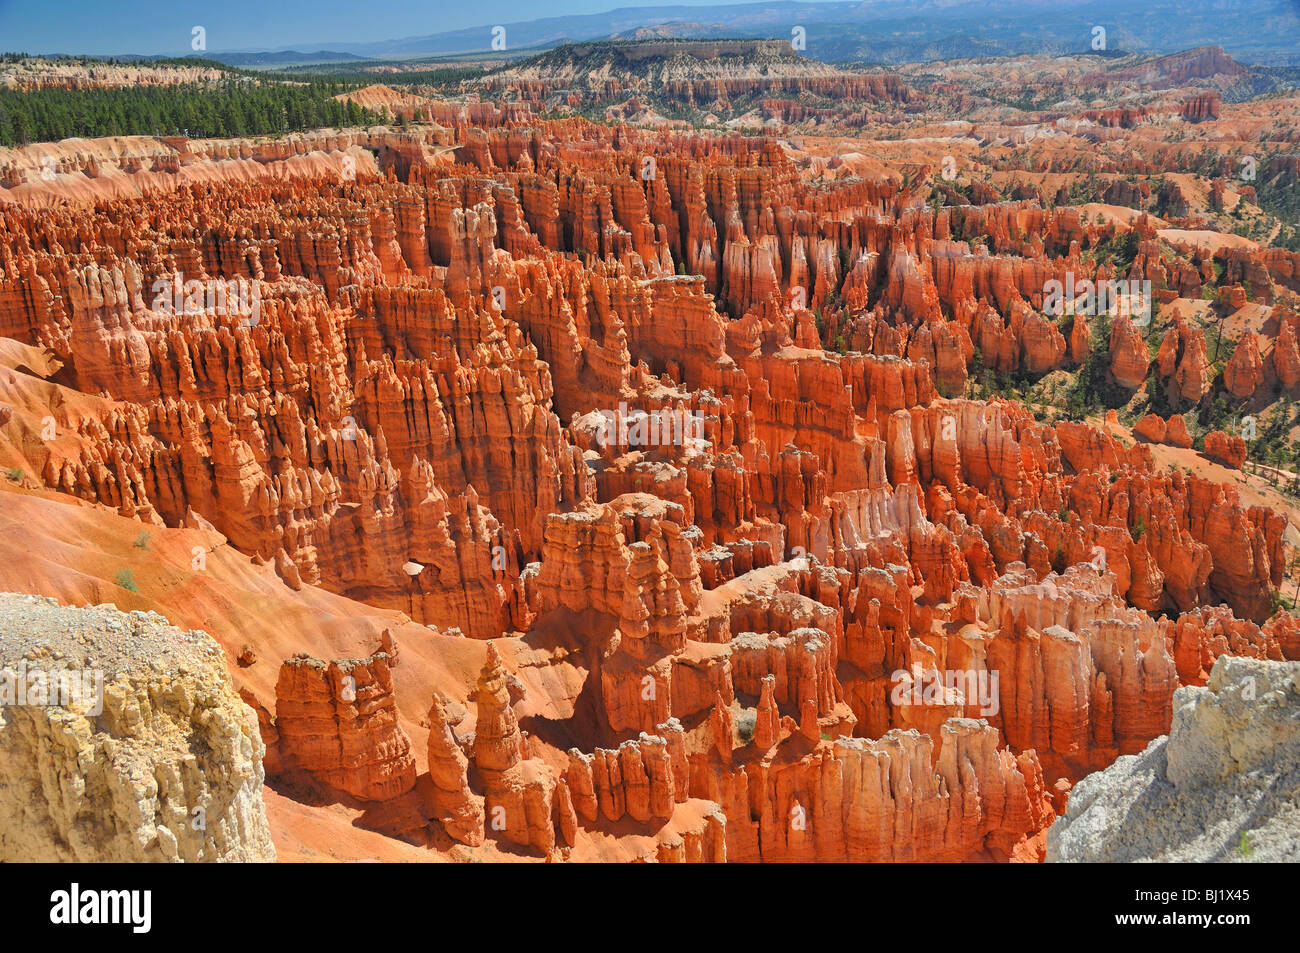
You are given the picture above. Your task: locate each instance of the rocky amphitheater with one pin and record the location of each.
(508, 488)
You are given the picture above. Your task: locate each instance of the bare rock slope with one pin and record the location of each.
(1223, 785)
(144, 752)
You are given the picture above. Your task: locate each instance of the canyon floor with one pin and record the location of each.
(619, 458)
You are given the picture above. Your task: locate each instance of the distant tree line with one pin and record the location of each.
(442, 78)
(233, 107)
(90, 62)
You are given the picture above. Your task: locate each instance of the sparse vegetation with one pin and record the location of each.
(1093, 389)
(1244, 847)
(745, 723)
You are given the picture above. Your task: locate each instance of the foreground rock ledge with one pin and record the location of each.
(1223, 785)
(169, 770)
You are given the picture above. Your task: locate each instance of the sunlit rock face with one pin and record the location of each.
(670, 458)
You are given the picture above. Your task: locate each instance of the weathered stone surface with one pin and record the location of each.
(338, 721)
(1245, 369)
(142, 750)
(524, 801)
(1226, 448)
(688, 454)
(1129, 359)
(454, 804)
(1219, 787)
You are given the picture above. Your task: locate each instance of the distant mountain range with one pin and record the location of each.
(1264, 32)
(287, 58)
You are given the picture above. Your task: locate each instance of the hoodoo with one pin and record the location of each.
(755, 459)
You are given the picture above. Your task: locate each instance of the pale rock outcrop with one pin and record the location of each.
(148, 755)
(1221, 786)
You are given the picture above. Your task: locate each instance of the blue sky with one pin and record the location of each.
(164, 26)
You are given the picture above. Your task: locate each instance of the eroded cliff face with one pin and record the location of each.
(628, 78)
(771, 600)
(338, 721)
(1220, 787)
(122, 739)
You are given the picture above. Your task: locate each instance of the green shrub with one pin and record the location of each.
(1244, 848)
(745, 722)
